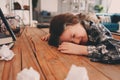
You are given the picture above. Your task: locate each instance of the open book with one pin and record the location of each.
(6, 38)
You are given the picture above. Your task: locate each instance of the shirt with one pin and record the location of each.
(102, 46)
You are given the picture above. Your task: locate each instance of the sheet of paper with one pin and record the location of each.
(28, 74)
(77, 73)
(6, 53)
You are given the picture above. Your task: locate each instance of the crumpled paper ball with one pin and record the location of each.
(28, 74)
(77, 73)
(6, 53)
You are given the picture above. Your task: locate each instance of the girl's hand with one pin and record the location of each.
(45, 38)
(71, 48)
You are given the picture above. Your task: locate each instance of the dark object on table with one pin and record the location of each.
(43, 25)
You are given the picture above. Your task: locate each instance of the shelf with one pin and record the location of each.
(25, 12)
(20, 10)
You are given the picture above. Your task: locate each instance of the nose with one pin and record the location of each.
(76, 40)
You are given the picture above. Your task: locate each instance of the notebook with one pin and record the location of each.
(6, 39)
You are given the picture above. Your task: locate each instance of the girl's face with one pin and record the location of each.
(75, 34)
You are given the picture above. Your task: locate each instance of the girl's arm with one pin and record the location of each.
(71, 48)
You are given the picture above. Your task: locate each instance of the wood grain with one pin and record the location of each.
(31, 51)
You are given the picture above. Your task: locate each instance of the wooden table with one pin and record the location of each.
(49, 62)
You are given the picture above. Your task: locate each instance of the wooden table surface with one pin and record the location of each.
(49, 62)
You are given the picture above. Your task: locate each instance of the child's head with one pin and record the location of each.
(57, 26)
(59, 22)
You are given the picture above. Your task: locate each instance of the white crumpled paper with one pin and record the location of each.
(77, 73)
(6, 53)
(28, 74)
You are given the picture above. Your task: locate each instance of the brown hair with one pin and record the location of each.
(88, 17)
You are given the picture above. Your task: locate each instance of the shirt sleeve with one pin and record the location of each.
(96, 52)
(107, 52)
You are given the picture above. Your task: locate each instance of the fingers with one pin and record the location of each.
(68, 47)
(45, 38)
(64, 47)
(64, 51)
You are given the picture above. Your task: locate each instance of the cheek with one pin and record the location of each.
(66, 35)
(64, 38)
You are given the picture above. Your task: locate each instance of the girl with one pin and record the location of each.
(82, 34)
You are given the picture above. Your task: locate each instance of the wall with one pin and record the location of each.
(5, 6)
(114, 6)
(49, 5)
